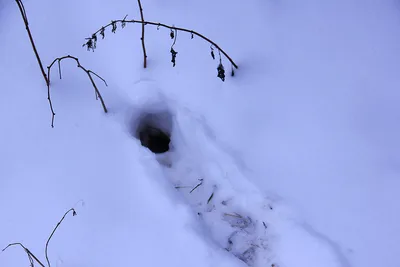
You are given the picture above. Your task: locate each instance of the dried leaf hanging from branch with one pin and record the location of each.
(173, 35)
(221, 72)
(212, 52)
(102, 32)
(114, 26)
(173, 54)
(89, 44)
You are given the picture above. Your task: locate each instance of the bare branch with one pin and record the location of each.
(25, 18)
(88, 72)
(168, 27)
(142, 38)
(54, 230)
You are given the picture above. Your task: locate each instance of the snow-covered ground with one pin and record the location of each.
(292, 162)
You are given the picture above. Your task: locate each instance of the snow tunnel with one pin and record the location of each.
(153, 129)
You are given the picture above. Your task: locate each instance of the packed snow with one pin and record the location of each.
(292, 162)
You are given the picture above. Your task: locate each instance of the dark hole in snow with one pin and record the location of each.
(153, 131)
(154, 139)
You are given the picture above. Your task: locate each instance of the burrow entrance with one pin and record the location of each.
(153, 129)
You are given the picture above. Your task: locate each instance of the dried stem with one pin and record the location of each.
(28, 252)
(25, 18)
(142, 38)
(199, 184)
(175, 36)
(168, 27)
(88, 72)
(31, 256)
(54, 230)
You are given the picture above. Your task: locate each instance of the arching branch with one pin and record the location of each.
(54, 230)
(91, 42)
(89, 74)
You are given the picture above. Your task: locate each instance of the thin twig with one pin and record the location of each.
(88, 72)
(59, 68)
(179, 187)
(31, 260)
(171, 28)
(201, 182)
(54, 230)
(25, 18)
(142, 38)
(233, 215)
(31, 256)
(98, 76)
(175, 36)
(210, 198)
(53, 114)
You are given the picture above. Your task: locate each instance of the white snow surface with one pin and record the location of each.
(297, 156)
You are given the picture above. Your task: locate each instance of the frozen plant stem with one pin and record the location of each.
(28, 252)
(31, 256)
(54, 230)
(89, 74)
(142, 38)
(25, 18)
(90, 43)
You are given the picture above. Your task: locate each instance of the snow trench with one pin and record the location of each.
(189, 166)
(256, 228)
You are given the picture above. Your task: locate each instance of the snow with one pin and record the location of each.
(296, 156)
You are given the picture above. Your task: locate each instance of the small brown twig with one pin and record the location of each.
(142, 38)
(54, 230)
(25, 18)
(88, 72)
(90, 43)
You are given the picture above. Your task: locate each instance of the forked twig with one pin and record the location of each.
(88, 72)
(31, 256)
